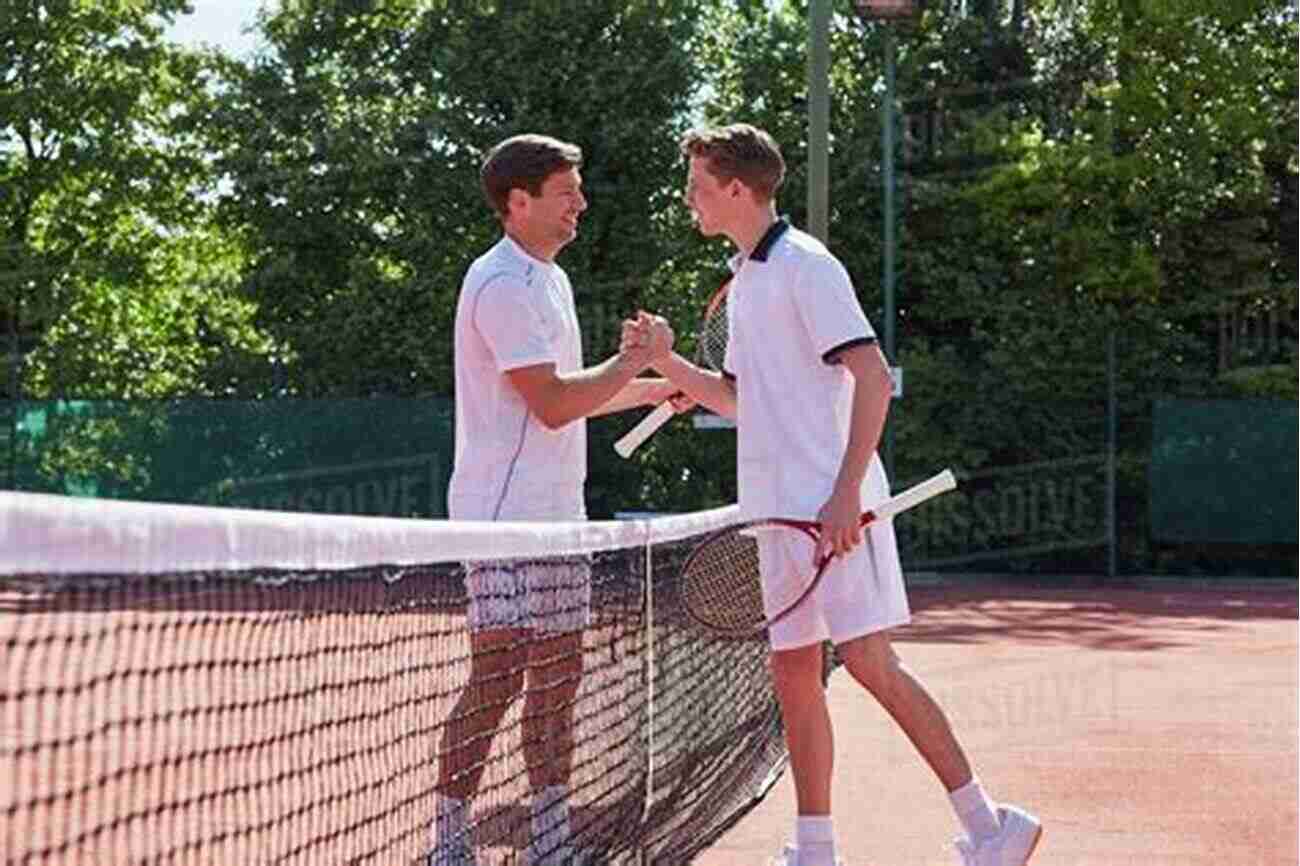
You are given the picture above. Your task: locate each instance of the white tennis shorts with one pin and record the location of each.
(546, 595)
(860, 593)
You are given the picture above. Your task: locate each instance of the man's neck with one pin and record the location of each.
(541, 252)
(750, 228)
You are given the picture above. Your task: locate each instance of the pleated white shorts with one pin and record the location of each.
(860, 593)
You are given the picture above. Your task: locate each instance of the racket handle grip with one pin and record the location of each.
(913, 496)
(645, 428)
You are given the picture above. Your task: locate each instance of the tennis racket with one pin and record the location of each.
(720, 586)
(710, 351)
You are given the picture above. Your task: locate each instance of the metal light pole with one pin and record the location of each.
(888, 12)
(889, 274)
(819, 112)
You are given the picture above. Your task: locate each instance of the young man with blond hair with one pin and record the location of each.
(809, 389)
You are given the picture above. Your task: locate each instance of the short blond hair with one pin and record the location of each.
(739, 152)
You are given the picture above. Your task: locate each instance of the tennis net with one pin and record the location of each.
(182, 684)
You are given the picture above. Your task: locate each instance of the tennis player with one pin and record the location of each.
(810, 389)
(522, 395)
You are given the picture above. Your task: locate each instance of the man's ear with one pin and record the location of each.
(517, 201)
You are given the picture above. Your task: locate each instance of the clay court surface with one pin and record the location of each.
(1149, 726)
(1144, 726)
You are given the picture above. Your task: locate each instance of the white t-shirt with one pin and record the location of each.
(791, 307)
(514, 311)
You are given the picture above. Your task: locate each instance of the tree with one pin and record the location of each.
(113, 283)
(353, 149)
(1071, 172)
(102, 175)
(1130, 192)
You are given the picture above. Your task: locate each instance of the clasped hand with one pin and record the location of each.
(646, 340)
(841, 522)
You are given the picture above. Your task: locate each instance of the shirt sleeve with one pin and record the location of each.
(517, 324)
(830, 309)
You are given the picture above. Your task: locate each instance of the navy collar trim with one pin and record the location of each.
(769, 239)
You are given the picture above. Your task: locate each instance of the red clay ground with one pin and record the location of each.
(1144, 726)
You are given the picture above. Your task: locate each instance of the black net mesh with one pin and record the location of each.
(263, 714)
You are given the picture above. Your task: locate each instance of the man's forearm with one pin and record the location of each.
(582, 393)
(871, 396)
(710, 389)
(638, 392)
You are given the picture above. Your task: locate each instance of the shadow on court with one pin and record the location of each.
(1097, 618)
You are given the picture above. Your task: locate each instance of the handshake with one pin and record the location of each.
(646, 340)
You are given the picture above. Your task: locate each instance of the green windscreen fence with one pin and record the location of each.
(382, 456)
(1224, 471)
(1219, 472)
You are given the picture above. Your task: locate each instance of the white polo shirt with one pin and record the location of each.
(514, 311)
(791, 308)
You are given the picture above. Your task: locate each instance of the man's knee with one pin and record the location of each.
(871, 661)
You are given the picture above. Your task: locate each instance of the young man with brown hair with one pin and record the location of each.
(522, 397)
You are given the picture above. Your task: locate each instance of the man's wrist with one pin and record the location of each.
(845, 484)
(628, 364)
(668, 363)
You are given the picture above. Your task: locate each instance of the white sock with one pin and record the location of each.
(814, 836)
(550, 809)
(975, 810)
(449, 822)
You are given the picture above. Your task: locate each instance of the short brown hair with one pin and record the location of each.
(524, 162)
(739, 152)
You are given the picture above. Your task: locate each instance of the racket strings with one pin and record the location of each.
(720, 584)
(711, 345)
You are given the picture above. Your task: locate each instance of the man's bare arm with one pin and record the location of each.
(872, 391)
(558, 399)
(710, 389)
(638, 392)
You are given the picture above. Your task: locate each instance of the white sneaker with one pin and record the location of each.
(1017, 837)
(790, 857)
